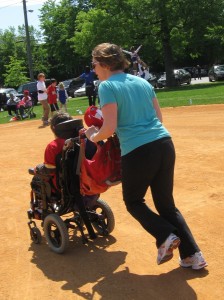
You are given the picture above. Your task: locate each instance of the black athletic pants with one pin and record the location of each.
(91, 94)
(152, 165)
(11, 108)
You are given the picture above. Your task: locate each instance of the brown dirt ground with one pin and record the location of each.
(122, 266)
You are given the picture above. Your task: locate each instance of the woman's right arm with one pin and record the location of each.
(109, 126)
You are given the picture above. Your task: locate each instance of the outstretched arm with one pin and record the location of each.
(128, 52)
(136, 51)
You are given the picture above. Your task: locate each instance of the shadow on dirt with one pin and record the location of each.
(92, 263)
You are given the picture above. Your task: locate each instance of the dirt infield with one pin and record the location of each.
(122, 266)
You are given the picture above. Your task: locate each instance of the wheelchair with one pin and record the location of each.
(26, 112)
(64, 210)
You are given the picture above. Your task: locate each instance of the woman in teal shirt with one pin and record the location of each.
(130, 107)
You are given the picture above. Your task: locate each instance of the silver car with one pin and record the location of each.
(216, 73)
(82, 90)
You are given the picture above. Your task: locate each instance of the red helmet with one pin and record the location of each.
(93, 116)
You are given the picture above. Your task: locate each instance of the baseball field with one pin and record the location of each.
(123, 265)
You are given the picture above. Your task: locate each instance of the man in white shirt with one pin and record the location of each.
(42, 97)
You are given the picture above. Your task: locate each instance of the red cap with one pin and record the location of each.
(93, 116)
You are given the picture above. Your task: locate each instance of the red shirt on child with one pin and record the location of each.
(52, 150)
(52, 94)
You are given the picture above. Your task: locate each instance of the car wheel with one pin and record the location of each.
(189, 81)
(209, 78)
(215, 78)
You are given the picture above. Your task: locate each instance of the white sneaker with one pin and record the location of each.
(165, 251)
(196, 261)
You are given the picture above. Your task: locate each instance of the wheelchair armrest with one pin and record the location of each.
(31, 171)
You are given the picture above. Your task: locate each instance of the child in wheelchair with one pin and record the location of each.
(55, 189)
(53, 149)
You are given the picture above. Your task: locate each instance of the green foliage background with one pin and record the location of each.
(174, 33)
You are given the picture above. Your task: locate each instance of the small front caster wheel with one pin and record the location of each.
(35, 235)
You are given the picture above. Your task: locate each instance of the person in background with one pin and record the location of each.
(89, 75)
(62, 96)
(12, 103)
(52, 96)
(134, 57)
(130, 107)
(199, 71)
(24, 103)
(193, 71)
(42, 97)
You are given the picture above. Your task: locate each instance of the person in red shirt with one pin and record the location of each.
(53, 149)
(52, 96)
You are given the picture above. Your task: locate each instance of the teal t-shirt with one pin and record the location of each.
(137, 123)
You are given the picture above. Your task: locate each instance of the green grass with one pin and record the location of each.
(200, 94)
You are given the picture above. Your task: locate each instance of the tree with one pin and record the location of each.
(15, 73)
(7, 49)
(171, 31)
(58, 24)
(13, 44)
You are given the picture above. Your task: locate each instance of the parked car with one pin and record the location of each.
(181, 77)
(216, 73)
(204, 71)
(82, 90)
(161, 82)
(71, 85)
(188, 69)
(151, 78)
(4, 96)
(32, 88)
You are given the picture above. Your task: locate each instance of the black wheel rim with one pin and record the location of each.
(101, 222)
(54, 234)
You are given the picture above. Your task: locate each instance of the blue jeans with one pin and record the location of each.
(152, 165)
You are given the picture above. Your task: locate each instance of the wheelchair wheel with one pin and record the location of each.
(56, 233)
(105, 222)
(35, 235)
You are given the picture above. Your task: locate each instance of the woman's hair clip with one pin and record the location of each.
(110, 55)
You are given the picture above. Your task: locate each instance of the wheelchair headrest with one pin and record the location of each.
(68, 129)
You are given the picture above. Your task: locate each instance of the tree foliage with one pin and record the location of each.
(58, 24)
(15, 72)
(13, 45)
(173, 33)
